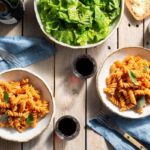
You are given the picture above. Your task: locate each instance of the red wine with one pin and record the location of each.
(84, 66)
(67, 127)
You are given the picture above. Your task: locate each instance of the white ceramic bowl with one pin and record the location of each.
(104, 72)
(112, 29)
(38, 82)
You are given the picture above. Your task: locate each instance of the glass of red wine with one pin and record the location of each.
(84, 66)
(67, 127)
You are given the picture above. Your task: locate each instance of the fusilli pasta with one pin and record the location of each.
(128, 85)
(21, 105)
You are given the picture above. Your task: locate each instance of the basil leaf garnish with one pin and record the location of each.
(29, 119)
(132, 76)
(6, 97)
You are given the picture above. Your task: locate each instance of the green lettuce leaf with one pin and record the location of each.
(78, 22)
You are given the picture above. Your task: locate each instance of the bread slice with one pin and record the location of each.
(140, 9)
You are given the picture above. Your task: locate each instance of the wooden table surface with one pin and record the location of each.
(83, 102)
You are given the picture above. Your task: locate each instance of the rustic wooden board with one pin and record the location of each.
(70, 98)
(94, 104)
(130, 31)
(10, 30)
(46, 70)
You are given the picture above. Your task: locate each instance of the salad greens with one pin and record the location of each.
(78, 22)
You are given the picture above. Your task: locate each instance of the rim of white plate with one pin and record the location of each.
(98, 85)
(52, 100)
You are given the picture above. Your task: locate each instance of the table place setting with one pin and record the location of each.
(122, 133)
(46, 89)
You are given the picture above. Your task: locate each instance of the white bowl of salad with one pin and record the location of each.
(78, 23)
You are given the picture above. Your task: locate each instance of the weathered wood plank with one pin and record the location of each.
(70, 100)
(99, 54)
(7, 145)
(146, 33)
(10, 30)
(46, 70)
(130, 31)
(30, 25)
(97, 142)
(94, 104)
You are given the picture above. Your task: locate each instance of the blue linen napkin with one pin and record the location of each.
(138, 128)
(28, 50)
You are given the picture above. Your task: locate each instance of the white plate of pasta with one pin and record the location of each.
(123, 82)
(26, 105)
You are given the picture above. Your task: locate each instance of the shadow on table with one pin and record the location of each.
(40, 142)
(94, 104)
(8, 29)
(48, 143)
(7, 145)
(43, 141)
(147, 38)
(72, 87)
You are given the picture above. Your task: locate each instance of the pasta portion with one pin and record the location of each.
(21, 105)
(128, 84)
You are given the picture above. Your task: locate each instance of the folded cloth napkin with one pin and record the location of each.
(138, 128)
(27, 50)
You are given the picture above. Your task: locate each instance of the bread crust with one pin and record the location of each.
(129, 6)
